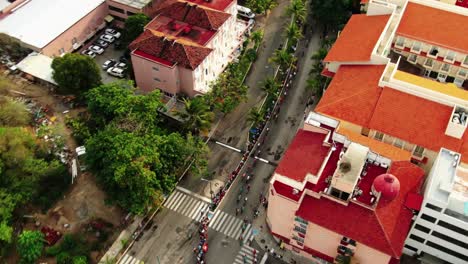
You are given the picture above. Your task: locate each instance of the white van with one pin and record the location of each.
(245, 12)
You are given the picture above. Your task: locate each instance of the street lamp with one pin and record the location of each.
(211, 191)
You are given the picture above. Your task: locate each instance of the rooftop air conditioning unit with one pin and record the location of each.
(295, 191)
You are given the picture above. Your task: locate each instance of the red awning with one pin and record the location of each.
(414, 201)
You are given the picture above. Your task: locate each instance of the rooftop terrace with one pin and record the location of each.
(181, 30)
(219, 5)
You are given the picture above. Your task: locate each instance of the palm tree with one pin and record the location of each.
(255, 115)
(270, 86)
(293, 33)
(196, 115)
(257, 37)
(282, 58)
(298, 9)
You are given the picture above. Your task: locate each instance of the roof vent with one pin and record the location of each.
(457, 124)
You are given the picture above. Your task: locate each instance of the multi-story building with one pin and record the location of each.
(398, 92)
(334, 196)
(186, 46)
(120, 10)
(440, 230)
(55, 27)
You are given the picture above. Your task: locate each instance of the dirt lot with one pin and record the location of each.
(84, 201)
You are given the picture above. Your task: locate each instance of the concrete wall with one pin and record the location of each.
(81, 31)
(187, 81)
(281, 212)
(145, 75)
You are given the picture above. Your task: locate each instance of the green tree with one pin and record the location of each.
(30, 245)
(255, 116)
(134, 26)
(298, 9)
(257, 37)
(80, 260)
(270, 86)
(282, 58)
(13, 113)
(75, 73)
(293, 33)
(196, 115)
(331, 13)
(261, 6)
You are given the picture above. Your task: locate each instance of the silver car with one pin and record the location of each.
(113, 32)
(96, 49)
(117, 72)
(88, 53)
(107, 38)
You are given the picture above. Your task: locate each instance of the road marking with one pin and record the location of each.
(172, 199)
(203, 198)
(237, 227)
(246, 251)
(229, 147)
(229, 225)
(187, 205)
(217, 213)
(220, 222)
(180, 202)
(200, 215)
(193, 213)
(127, 259)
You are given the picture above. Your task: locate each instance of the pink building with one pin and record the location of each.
(333, 197)
(186, 46)
(55, 27)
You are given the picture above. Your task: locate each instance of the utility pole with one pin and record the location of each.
(211, 191)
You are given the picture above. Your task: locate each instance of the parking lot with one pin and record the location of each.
(110, 52)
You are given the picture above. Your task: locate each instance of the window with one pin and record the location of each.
(422, 228)
(378, 136)
(398, 143)
(206, 71)
(428, 218)
(300, 220)
(121, 19)
(450, 56)
(412, 58)
(433, 207)
(453, 228)
(130, 13)
(411, 248)
(61, 51)
(446, 250)
(418, 151)
(155, 68)
(433, 51)
(116, 9)
(365, 131)
(445, 67)
(299, 229)
(465, 61)
(441, 77)
(428, 63)
(400, 42)
(298, 239)
(416, 238)
(416, 47)
(462, 73)
(450, 239)
(157, 79)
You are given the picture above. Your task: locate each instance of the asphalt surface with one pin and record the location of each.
(174, 234)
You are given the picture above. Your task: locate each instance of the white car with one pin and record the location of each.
(121, 65)
(113, 32)
(117, 72)
(108, 63)
(107, 38)
(88, 53)
(96, 49)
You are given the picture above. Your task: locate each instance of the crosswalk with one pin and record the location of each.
(230, 226)
(187, 205)
(246, 255)
(127, 259)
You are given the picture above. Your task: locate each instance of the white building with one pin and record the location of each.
(440, 231)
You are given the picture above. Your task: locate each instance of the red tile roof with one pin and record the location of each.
(448, 32)
(414, 119)
(384, 229)
(304, 155)
(184, 54)
(358, 39)
(195, 15)
(219, 5)
(352, 93)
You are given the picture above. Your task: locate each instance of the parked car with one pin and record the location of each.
(121, 65)
(101, 43)
(88, 53)
(107, 38)
(108, 63)
(117, 72)
(96, 49)
(113, 32)
(245, 12)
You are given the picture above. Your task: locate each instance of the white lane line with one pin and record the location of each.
(203, 198)
(185, 205)
(228, 224)
(180, 202)
(174, 197)
(239, 231)
(220, 222)
(194, 212)
(216, 214)
(236, 228)
(204, 209)
(124, 260)
(189, 206)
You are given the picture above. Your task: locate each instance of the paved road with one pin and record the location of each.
(176, 235)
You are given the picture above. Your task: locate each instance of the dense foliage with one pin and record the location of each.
(261, 6)
(30, 245)
(72, 249)
(331, 14)
(134, 26)
(135, 160)
(75, 73)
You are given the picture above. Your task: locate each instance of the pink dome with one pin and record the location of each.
(386, 184)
